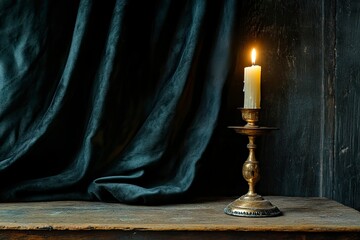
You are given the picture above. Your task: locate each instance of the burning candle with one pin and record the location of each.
(252, 76)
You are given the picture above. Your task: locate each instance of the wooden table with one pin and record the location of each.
(302, 218)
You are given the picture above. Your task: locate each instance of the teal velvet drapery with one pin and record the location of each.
(108, 100)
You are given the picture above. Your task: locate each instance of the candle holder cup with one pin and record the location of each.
(251, 204)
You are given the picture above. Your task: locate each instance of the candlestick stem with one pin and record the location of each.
(250, 169)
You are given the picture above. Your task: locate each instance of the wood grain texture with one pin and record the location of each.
(291, 87)
(328, 106)
(303, 218)
(299, 215)
(346, 185)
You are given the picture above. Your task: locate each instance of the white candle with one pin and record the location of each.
(252, 76)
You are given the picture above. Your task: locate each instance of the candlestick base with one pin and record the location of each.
(256, 206)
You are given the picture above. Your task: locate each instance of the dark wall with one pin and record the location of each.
(345, 168)
(309, 53)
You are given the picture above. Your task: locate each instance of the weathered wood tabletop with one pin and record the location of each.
(315, 217)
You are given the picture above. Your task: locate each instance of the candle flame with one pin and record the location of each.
(253, 56)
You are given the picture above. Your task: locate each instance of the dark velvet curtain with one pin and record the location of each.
(109, 100)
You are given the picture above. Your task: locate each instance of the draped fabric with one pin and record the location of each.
(109, 100)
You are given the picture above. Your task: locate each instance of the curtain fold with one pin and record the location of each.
(109, 100)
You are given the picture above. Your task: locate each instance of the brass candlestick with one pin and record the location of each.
(251, 204)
